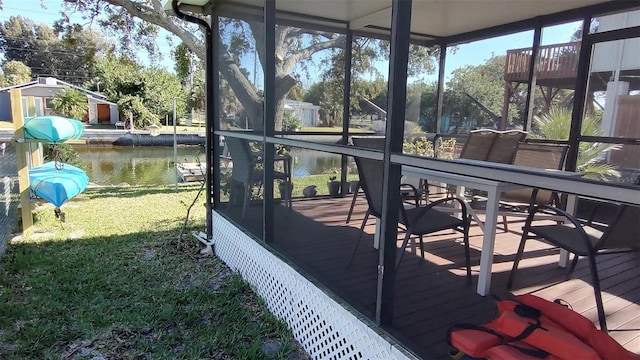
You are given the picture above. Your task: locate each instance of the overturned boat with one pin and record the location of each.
(57, 182)
(52, 129)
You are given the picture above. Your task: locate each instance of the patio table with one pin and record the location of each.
(493, 188)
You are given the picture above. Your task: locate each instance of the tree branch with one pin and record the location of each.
(156, 15)
(290, 62)
(295, 32)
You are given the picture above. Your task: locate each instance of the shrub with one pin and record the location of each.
(556, 125)
(290, 122)
(70, 103)
(132, 107)
(61, 152)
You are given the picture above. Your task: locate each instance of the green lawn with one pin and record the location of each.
(320, 181)
(114, 282)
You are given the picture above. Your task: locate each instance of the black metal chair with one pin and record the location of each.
(376, 143)
(419, 220)
(584, 239)
(410, 193)
(246, 171)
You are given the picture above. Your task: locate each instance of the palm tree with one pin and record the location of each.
(70, 103)
(556, 124)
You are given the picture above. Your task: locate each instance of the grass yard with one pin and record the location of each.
(112, 282)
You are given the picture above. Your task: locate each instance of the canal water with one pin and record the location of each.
(154, 165)
(140, 165)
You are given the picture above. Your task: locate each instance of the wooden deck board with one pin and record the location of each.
(431, 294)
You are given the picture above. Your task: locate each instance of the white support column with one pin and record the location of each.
(614, 89)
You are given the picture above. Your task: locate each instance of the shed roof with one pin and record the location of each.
(56, 83)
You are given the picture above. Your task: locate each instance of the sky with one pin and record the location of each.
(33, 10)
(467, 54)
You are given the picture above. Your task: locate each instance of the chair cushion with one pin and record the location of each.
(568, 237)
(432, 221)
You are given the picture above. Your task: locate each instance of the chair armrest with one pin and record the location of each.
(559, 212)
(464, 206)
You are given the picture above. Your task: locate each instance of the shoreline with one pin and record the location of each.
(127, 138)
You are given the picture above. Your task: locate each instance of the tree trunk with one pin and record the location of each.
(153, 12)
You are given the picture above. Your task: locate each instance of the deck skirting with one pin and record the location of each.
(325, 328)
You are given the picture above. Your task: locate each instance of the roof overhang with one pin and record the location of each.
(195, 6)
(430, 18)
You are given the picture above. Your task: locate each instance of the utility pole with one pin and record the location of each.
(175, 143)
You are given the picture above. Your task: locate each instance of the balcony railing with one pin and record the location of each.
(555, 62)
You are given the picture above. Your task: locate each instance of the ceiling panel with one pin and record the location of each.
(431, 17)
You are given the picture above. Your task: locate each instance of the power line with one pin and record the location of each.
(26, 39)
(44, 51)
(28, 11)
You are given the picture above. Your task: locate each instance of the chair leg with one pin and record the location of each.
(505, 224)
(355, 248)
(405, 242)
(289, 193)
(353, 203)
(247, 197)
(598, 294)
(423, 190)
(467, 253)
(572, 267)
(519, 254)
(421, 247)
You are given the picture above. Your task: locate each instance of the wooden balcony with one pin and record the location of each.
(557, 66)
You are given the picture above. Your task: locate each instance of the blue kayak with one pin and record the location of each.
(52, 128)
(57, 185)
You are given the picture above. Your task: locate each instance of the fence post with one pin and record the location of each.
(22, 149)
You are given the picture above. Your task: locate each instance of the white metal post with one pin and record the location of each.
(175, 143)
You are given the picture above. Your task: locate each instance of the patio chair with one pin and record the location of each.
(505, 145)
(478, 147)
(245, 170)
(543, 156)
(478, 144)
(589, 240)
(408, 191)
(418, 220)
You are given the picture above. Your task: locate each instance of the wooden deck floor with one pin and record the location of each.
(431, 294)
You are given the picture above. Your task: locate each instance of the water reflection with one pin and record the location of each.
(308, 162)
(153, 165)
(149, 165)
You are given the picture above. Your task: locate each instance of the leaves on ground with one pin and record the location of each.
(109, 283)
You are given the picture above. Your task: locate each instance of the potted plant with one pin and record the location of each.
(334, 186)
(285, 188)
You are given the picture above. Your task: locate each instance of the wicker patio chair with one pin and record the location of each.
(419, 220)
(621, 235)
